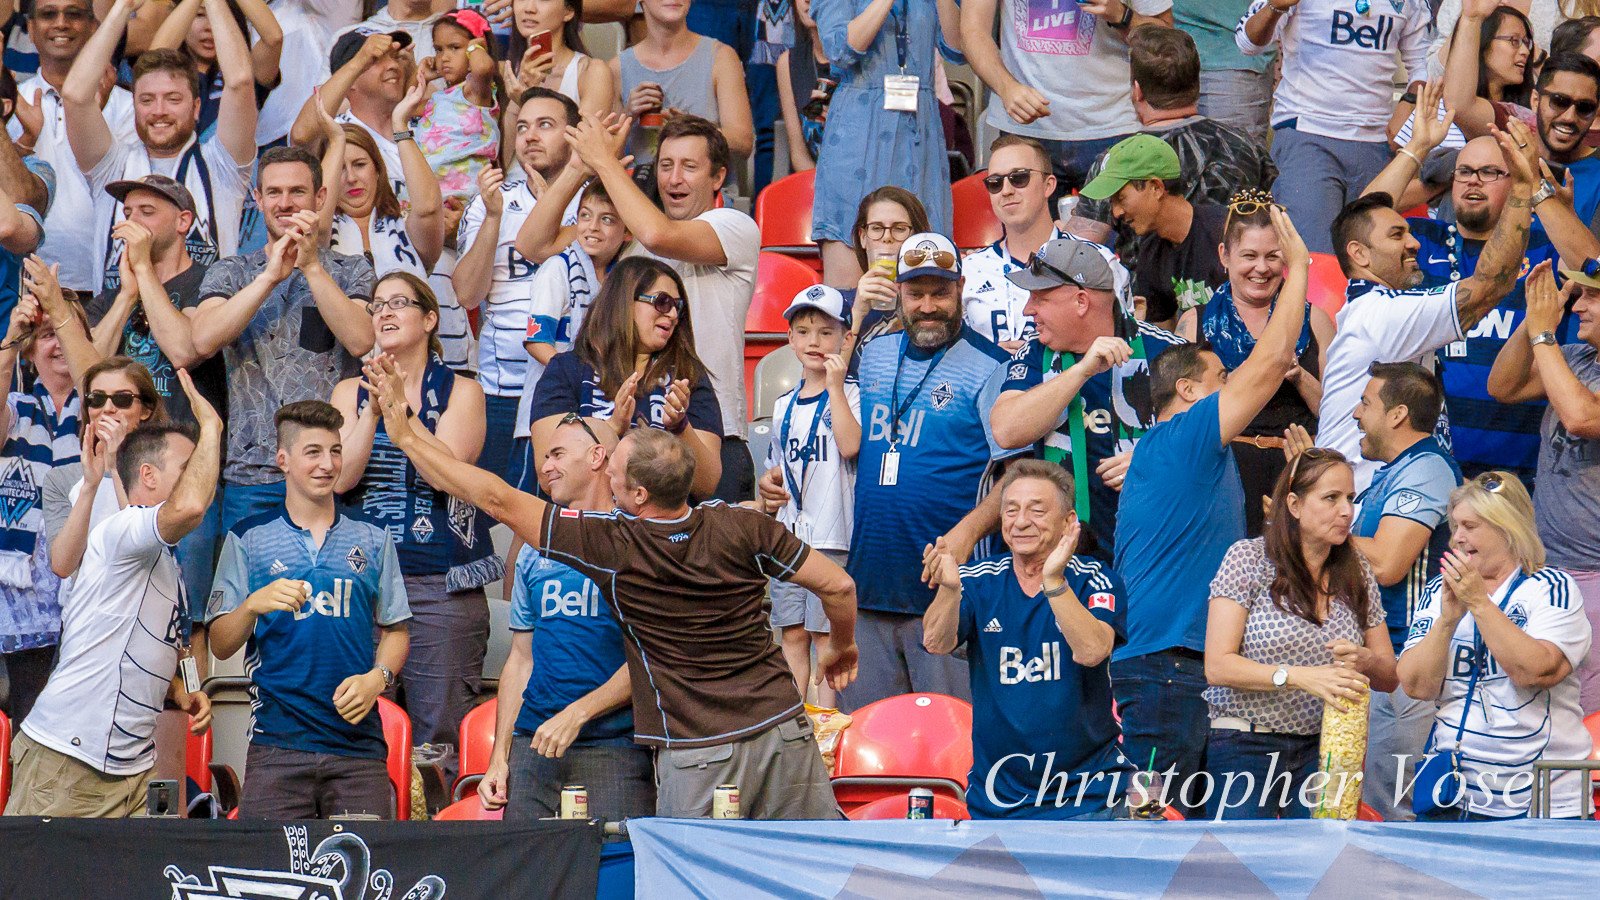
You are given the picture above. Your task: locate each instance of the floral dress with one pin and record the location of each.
(459, 138)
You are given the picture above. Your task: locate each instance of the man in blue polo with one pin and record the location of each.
(1039, 624)
(1401, 528)
(926, 450)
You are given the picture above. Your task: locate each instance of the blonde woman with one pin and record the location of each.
(1497, 640)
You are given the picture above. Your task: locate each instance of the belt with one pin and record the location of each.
(1262, 441)
(1234, 723)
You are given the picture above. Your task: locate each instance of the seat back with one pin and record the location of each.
(477, 737)
(783, 213)
(1593, 724)
(197, 758)
(894, 806)
(469, 809)
(777, 374)
(974, 222)
(778, 279)
(909, 736)
(397, 735)
(1327, 284)
(5, 759)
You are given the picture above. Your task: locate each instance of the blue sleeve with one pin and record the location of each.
(1421, 491)
(705, 414)
(523, 614)
(231, 585)
(557, 391)
(833, 23)
(1202, 427)
(1106, 598)
(986, 399)
(393, 604)
(966, 614)
(47, 173)
(1026, 368)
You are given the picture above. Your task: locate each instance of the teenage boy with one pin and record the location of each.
(302, 587)
(814, 451)
(1020, 187)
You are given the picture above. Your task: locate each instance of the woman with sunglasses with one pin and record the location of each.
(1496, 643)
(1233, 319)
(41, 429)
(1295, 622)
(884, 219)
(633, 362)
(445, 552)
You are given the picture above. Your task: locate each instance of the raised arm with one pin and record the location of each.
(1576, 406)
(174, 28)
(172, 329)
(1474, 114)
(1505, 251)
(66, 550)
(1090, 639)
(542, 235)
(425, 219)
(41, 281)
(196, 487)
(267, 52)
(307, 130)
(347, 318)
(334, 143)
(1258, 31)
(1253, 384)
(474, 271)
(236, 114)
(87, 132)
(1427, 132)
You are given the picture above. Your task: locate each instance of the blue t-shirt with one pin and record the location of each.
(1415, 486)
(577, 646)
(571, 385)
(1116, 411)
(1182, 508)
(1485, 433)
(297, 660)
(1031, 699)
(944, 445)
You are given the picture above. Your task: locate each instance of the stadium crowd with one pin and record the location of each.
(1114, 478)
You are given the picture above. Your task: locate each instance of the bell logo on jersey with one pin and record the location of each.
(553, 601)
(334, 605)
(1367, 37)
(910, 430)
(1103, 600)
(1044, 667)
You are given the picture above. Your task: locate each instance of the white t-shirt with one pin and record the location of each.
(1511, 727)
(827, 496)
(70, 234)
(559, 298)
(1339, 65)
(502, 360)
(719, 299)
(990, 303)
(307, 38)
(1077, 60)
(1384, 326)
(391, 245)
(120, 630)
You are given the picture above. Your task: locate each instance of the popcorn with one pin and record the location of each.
(1344, 753)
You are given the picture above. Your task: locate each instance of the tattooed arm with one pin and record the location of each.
(1507, 248)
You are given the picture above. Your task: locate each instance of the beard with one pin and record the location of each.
(180, 136)
(1476, 219)
(930, 332)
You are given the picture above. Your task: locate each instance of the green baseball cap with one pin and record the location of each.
(1138, 158)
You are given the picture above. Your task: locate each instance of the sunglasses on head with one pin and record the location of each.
(1562, 102)
(1491, 482)
(1249, 201)
(573, 418)
(119, 399)
(1019, 179)
(1308, 453)
(916, 256)
(663, 302)
(1038, 268)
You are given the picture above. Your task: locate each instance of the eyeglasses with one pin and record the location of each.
(395, 303)
(877, 230)
(1525, 43)
(573, 418)
(1038, 268)
(916, 256)
(1019, 179)
(1250, 201)
(1560, 103)
(663, 302)
(119, 399)
(1308, 453)
(1484, 174)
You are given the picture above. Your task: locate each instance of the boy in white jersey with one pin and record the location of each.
(813, 455)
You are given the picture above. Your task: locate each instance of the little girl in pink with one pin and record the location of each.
(458, 128)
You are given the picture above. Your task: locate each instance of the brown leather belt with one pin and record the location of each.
(1264, 442)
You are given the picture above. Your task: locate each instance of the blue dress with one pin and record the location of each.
(866, 146)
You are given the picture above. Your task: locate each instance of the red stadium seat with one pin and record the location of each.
(477, 746)
(469, 809)
(894, 807)
(906, 741)
(1593, 724)
(973, 217)
(5, 759)
(783, 213)
(397, 735)
(1171, 815)
(778, 279)
(197, 758)
(1327, 284)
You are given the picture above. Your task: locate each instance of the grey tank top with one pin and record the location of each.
(687, 86)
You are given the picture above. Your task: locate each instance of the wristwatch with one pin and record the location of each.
(1545, 191)
(388, 675)
(1126, 20)
(404, 136)
(1280, 678)
(1544, 337)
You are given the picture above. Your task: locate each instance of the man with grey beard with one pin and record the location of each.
(925, 463)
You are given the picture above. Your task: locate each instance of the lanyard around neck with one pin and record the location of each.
(895, 406)
(807, 450)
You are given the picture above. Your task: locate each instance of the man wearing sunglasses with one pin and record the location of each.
(1020, 186)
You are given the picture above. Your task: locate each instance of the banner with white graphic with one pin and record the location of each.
(1269, 860)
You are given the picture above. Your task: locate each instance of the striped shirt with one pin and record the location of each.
(41, 437)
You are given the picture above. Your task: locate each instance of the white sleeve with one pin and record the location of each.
(550, 298)
(1555, 613)
(852, 392)
(130, 531)
(108, 169)
(224, 166)
(1150, 7)
(471, 221)
(740, 238)
(1408, 324)
(1444, 28)
(1414, 43)
(1426, 612)
(1249, 47)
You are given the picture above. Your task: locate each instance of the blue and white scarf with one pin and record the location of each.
(40, 439)
(1230, 337)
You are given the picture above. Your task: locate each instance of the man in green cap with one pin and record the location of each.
(1177, 261)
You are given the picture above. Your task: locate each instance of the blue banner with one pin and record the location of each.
(1287, 860)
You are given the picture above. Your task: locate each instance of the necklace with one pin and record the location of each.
(1457, 253)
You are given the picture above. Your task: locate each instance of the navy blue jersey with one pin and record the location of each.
(571, 385)
(1039, 714)
(296, 660)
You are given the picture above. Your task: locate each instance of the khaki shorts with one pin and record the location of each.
(47, 783)
(779, 772)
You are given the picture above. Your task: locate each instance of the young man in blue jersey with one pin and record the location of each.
(303, 587)
(1183, 507)
(1402, 529)
(1039, 624)
(567, 673)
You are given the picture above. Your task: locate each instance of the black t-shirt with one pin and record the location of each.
(210, 376)
(1173, 277)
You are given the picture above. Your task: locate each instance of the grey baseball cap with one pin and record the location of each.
(1067, 261)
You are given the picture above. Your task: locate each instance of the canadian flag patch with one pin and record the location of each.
(1103, 601)
(571, 514)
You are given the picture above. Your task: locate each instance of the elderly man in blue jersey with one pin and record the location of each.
(926, 450)
(1402, 529)
(1039, 624)
(303, 587)
(567, 665)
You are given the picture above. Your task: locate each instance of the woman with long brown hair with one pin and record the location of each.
(1296, 621)
(633, 362)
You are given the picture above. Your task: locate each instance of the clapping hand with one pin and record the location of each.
(625, 406)
(1545, 306)
(675, 409)
(1055, 565)
(41, 281)
(1521, 152)
(939, 566)
(385, 381)
(204, 414)
(1289, 242)
(1462, 581)
(1428, 128)
(1296, 440)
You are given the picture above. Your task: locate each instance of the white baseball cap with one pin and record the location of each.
(822, 297)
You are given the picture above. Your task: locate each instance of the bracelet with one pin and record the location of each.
(404, 136)
(1406, 151)
(1052, 594)
(1127, 18)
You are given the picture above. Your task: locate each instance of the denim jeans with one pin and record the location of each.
(1397, 732)
(1259, 775)
(1318, 175)
(197, 561)
(1241, 98)
(241, 501)
(1072, 161)
(1163, 713)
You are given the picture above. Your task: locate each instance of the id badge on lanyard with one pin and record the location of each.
(889, 475)
(900, 91)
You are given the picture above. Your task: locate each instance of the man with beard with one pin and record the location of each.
(1389, 317)
(372, 69)
(166, 106)
(926, 450)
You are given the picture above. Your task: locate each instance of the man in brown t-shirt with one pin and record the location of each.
(711, 691)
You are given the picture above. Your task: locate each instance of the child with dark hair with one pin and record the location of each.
(458, 129)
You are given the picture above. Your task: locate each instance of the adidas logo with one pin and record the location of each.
(988, 287)
(993, 627)
(277, 567)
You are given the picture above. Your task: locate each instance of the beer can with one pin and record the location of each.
(725, 802)
(919, 804)
(574, 802)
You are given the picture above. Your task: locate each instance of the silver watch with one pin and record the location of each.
(1543, 337)
(1545, 191)
(388, 675)
(1280, 678)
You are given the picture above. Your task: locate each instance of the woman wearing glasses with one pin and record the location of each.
(1496, 643)
(1234, 318)
(884, 219)
(445, 552)
(1489, 74)
(633, 362)
(1296, 622)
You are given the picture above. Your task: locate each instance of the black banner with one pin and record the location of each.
(179, 859)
